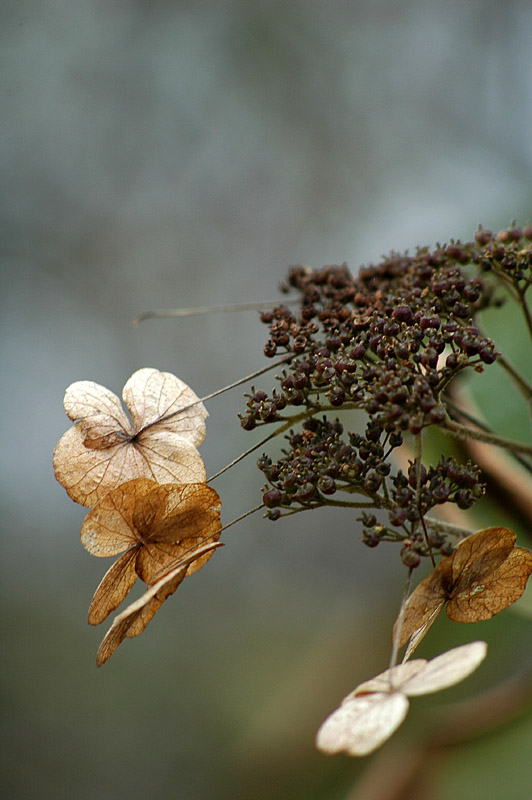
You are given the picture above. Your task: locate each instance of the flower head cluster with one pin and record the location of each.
(147, 483)
(447, 482)
(390, 342)
(321, 462)
(507, 255)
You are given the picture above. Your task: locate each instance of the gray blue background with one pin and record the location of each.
(162, 154)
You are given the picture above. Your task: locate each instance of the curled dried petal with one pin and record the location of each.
(483, 576)
(153, 526)
(132, 621)
(114, 587)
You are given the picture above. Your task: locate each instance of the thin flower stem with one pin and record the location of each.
(522, 384)
(242, 516)
(346, 504)
(239, 382)
(313, 408)
(467, 415)
(165, 313)
(507, 283)
(447, 527)
(464, 432)
(332, 503)
(376, 500)
(241, 456)
(482, 425)
(396, 637)
(419, 455)
(292, 512)
(526, 310)
(517, 293)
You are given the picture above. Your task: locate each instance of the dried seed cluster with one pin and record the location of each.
(389, 342)
(447, 482)
(321, 462)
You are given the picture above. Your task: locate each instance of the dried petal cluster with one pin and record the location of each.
(369, 714)
(146, 480)
(132, 621)
(104, 448)
(483, 576)
(153, 525)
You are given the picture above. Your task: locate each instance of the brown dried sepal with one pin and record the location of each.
(132, 621)
(153, 526)
(104, 448)
(483, 576)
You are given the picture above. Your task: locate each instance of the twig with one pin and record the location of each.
(165, 313)
(522, 384)
(465, 432)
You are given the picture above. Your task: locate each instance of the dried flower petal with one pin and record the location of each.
(156, 525)
(390, 679)
(104, 449)
(483, 576)
(369, 715)
(132, 621)
(113, 588)
(491, 574)
(446, 669)
(360, 726)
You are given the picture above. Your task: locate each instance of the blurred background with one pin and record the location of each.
(168, 154)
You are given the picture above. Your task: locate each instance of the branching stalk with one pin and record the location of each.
(522, 384)
(465, 432)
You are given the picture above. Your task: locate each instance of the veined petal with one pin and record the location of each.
(361, 725)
